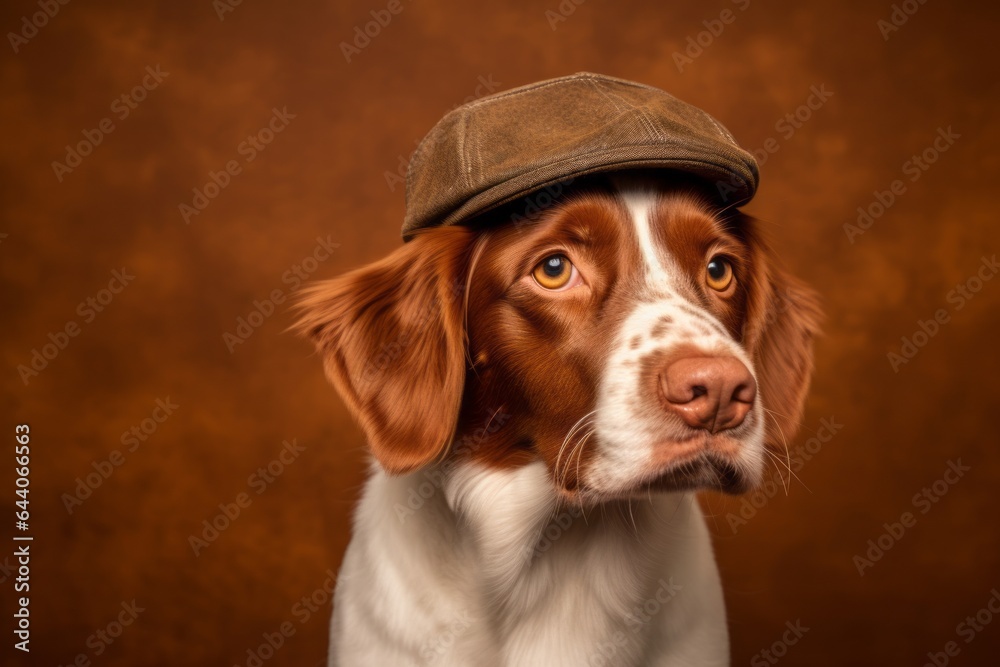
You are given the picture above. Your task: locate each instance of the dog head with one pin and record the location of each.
(633, 336)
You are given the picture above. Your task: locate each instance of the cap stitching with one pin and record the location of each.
(604, 85)
(718, 126)
(418, 153)
(665, 161)
(450, 218)
(651, 126)
(479, 156)
(553, 82)
(733, 169)
(462, 150)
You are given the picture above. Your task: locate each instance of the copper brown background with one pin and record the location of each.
(325, 175)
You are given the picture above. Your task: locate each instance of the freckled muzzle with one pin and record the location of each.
(682, 410)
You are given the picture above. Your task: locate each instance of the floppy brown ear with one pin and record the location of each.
(393, 342)
(784, 316)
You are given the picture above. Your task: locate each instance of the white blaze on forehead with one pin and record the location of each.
(640, 208)
(629, 431)
(641, 204)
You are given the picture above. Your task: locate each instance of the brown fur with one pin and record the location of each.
(773, 314)
(783, 319)
(422, 364)
(393, 341)
(545, 353)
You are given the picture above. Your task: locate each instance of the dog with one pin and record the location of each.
(542, 401)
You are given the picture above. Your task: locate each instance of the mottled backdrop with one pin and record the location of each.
(172, 171)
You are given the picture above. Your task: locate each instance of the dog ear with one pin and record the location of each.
(392, 337)
(784, 316)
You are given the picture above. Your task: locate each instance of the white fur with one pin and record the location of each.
(625, 441)
(640, 207)
(463, 565)
(481, 567)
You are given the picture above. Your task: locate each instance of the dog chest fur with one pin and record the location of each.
(489, 570)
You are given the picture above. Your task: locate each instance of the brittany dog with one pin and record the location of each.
(542, 401)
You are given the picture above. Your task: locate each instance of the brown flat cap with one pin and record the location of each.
(500, 148)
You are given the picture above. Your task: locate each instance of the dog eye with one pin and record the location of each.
(719, 273)
(554, 272)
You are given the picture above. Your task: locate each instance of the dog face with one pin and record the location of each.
(635, 338)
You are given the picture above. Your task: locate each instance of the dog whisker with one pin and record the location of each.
(579, 452)
(581, 424)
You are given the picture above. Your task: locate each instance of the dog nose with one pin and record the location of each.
(714, 393)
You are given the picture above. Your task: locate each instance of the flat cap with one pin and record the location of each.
(503, 147)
